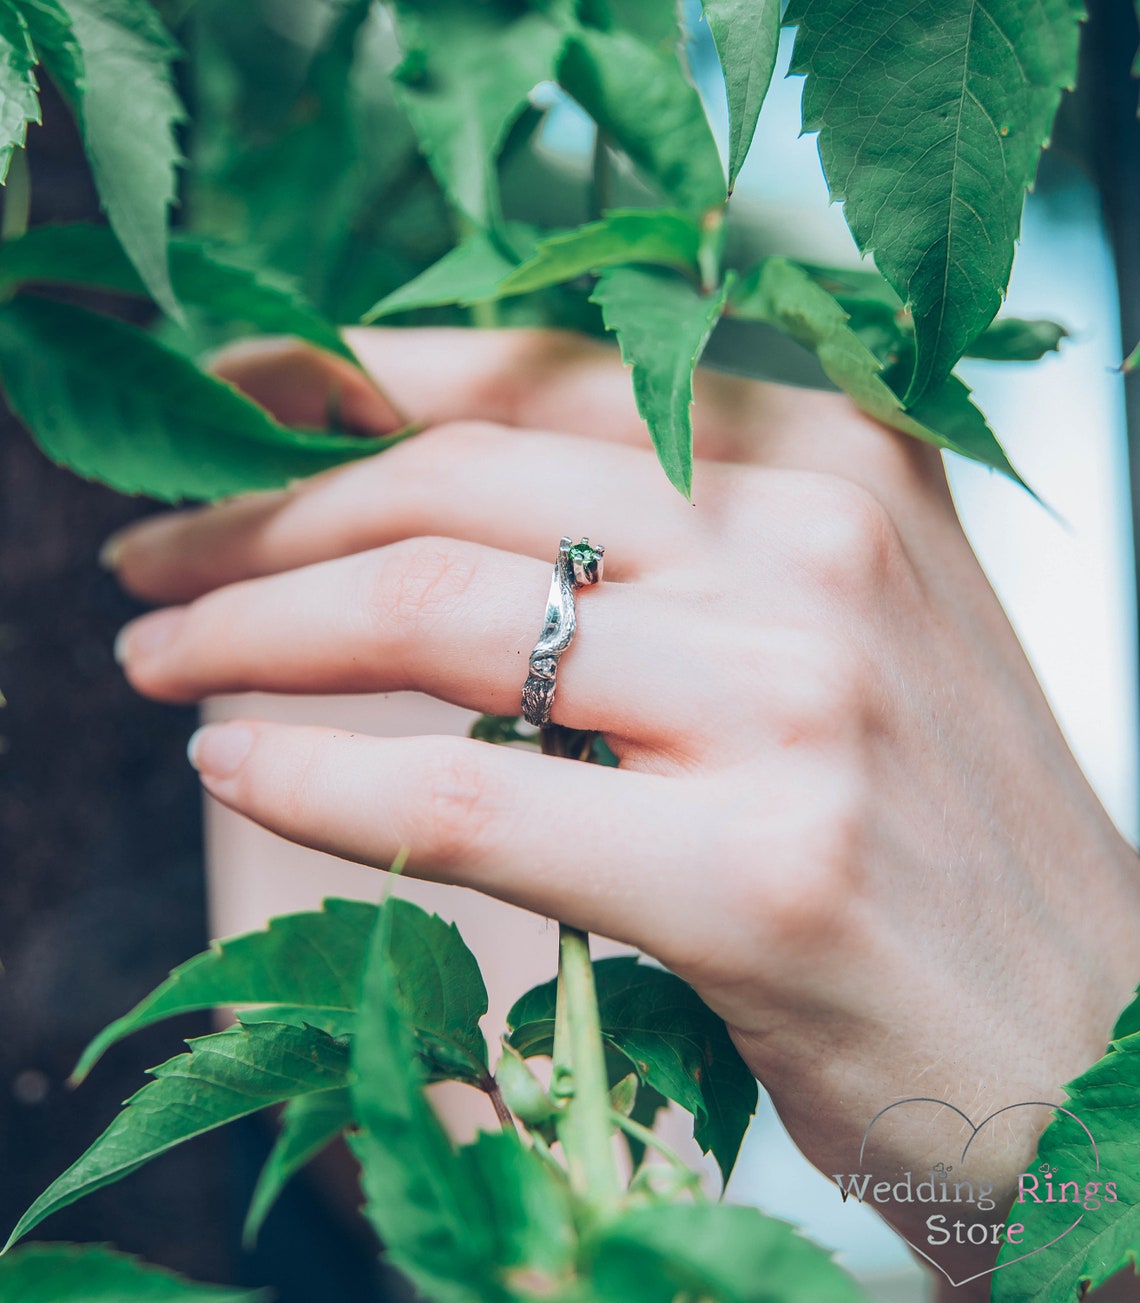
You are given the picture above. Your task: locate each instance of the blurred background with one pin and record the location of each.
(102, 887)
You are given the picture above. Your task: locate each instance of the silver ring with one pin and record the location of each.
(578, 565)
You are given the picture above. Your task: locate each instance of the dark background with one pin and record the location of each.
(101, 880)
(101, 888)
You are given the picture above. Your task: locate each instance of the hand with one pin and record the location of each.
(844, 812)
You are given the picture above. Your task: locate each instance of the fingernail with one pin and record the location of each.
(112, 550)
(217, 750)
(148, 634)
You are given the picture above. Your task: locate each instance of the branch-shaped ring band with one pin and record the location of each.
(578, 565)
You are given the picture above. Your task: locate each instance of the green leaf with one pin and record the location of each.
(461, 1225)
(1132, 361)
(641, 99)
(786, 296)
(950, 415)
(224, 1077)
(662, 325)
(712, 1251)
(209, 276)
(293, 162)
(676, 1043)
(874, 312)
(652, 23)
(529, 1209)
(469, 273)
(111, 403)
(1129, 1020)
(1014, 339)
(115, 67)
(476, 270)
(467, 72)
(19, 93)
(440, 986)
(747, 36)
(339, 1023)
(1107, 1237)
(931, 116)
(523, 1093)
(646, 1105)
(623, 1096)
(878, 317)
(662, 237)
(502, 729)
(430, 1216)
(54, 1273)
(313, 960)
(308, 1124)
(307, 968)
(54, 40)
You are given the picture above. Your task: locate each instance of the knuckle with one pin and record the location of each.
(523, 359)
(500, 386)
(415, 475)
(806, 900)
(455, 802)
(848, 543)
(822, 689)
(451, 441)
(415, 583)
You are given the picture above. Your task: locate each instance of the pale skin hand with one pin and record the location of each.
(844, 812)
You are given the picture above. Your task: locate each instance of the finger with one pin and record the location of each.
(519, 491)
(307, 387)
(552, 836)
(455, 620)
(554, 380)
(558, 380)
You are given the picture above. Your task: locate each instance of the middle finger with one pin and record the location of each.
(470, 480)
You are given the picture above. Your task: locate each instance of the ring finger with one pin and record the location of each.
(454, 619)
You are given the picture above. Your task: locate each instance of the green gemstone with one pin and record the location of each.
(584, 553)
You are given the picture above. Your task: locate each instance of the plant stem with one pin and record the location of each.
(17, 197)
(485, 315)
(584, 1124)
(501, 1111)
(652, 1140)
(711, 249)
(600, 176)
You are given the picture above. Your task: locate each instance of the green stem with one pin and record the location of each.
(17, 197)
(600, 198)
(584, 1123)
(543, 1150)
(711, 249)
(485, 315)
(651, 1140)
(178, 12)
(506, 1121)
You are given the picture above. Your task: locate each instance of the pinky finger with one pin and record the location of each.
(610, 851)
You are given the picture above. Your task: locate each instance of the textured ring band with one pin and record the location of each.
(578, 565)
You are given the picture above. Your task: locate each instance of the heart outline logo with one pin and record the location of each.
(974, 1131)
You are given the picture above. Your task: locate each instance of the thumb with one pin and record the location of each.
(304, 386)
